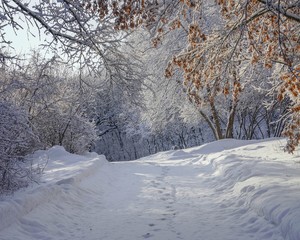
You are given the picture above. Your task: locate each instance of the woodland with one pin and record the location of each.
(131, 78)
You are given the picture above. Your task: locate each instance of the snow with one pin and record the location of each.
(225, 190)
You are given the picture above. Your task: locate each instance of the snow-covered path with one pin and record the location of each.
(168, 204)
(168, 196)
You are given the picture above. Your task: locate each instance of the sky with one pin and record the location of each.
(26, 39)
(22, 40)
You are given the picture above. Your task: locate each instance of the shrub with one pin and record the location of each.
(16, 140)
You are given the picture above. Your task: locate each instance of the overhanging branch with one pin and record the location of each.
(281, 10)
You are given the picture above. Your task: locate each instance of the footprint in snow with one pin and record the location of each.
(148, 235)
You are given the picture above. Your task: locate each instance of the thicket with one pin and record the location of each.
(39, 108)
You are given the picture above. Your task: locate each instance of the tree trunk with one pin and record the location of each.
(230, 122)
(216, 119)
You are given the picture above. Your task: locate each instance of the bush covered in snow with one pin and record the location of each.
(16, 140)
(75, 133)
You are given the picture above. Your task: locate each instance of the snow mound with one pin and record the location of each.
(61, 168)
(259, 177)
(221, 145)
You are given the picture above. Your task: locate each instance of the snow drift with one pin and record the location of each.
(61, 168)
(260, 177)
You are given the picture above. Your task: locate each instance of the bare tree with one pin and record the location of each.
(72, 31)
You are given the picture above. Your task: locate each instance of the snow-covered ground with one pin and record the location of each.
(226, 190)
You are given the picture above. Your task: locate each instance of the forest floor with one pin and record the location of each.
(225, 190)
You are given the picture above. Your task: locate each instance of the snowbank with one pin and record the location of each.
(61, 168)
(256, 176)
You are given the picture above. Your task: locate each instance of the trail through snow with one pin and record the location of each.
(228, 190)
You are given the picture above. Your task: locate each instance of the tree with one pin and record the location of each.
(258, 32)
(72, 31)
(169, 119)
(49, 94)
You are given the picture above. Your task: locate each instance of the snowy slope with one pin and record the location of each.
(62, 168)
(226, 190)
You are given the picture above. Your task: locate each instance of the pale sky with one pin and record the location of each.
(22, 40)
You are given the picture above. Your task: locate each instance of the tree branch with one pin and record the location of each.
(281, 10)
